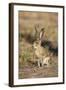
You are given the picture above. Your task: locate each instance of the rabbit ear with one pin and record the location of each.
(41, 33)
(36, 27)
(36, 31)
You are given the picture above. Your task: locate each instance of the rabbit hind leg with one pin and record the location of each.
(46, 62)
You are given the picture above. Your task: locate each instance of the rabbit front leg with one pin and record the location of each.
(39, 64)
(42, 63)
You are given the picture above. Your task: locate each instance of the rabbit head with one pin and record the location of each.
(36, 44)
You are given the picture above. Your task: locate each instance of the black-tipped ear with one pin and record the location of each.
(42, 33)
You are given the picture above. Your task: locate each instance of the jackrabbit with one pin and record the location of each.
(41, 53)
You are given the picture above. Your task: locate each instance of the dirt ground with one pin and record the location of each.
(29, 70)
